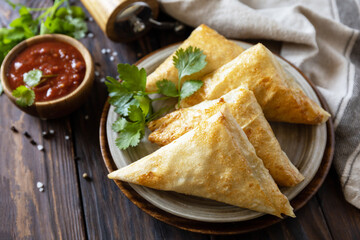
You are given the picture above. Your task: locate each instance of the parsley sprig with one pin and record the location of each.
(187, 62)
(25, 95)
(59, 18)
(132, 102)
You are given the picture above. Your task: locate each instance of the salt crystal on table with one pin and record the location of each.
(112, 58)
(67, 137)
(41, 189)
(40, 147)
(97, 73)
(51, 131)
(114, 53)
(108, 50)
(90, 35)
(39, 185)
(102, 80)
(91, 19)
(103, 51)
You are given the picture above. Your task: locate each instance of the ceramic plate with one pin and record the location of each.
(304, 145)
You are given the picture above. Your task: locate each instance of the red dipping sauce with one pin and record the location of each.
(52, 58)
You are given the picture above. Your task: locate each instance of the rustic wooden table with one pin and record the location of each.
(71, 207)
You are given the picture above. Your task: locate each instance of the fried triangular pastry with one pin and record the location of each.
(243, 106)
(277, 93)
(218, 51)
(215, 161)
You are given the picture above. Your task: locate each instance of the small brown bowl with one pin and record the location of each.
(61, 106)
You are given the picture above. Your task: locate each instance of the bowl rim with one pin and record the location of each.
(89, 63)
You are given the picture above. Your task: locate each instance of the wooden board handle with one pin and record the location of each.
(105, 12)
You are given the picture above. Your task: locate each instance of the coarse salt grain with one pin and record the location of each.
(97, 73)
(67, 137)
(103, 51)
(112, 58)
(51, 131)
(102, 80)
(39, 185)
(40, 147)
(114, 53)
(86, 117)
(108, 50)
(41, 189)
(90, 35)
(91, 19)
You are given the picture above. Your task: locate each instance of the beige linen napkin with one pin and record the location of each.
(320, 37)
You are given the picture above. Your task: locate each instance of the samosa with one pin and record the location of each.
(215, 161)
(258, 70)
(243, 106)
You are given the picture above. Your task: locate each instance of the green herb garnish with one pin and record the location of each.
(25, 95)
(69, 20)
(132, 102)
(187, 62)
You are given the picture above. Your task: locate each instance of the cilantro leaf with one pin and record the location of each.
(119, 96)
(32, 78)
(123, 110)
(25, 96)
(133, 78)
(144, 103)
(77, 12)
(130, 135)
(167, 88)
(189, 61)
(119, 124)
(136, 114)
(190, 87)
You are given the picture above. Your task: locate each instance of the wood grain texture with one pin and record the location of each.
(74, 208)
(26, 212)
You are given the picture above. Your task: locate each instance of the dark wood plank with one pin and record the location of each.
(26, 212)
(342, 218)
(54, 213)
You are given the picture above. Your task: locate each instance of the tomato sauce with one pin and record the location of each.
(53, 58)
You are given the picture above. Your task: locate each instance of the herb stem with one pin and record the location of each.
(44, 78)
(158, 113)
(160, 98)
(148, 93)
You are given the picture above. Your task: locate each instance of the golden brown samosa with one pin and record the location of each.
(218, 51)
(243, 106)
(215, 161)
(277, 93)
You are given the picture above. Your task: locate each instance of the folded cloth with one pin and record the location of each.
(320, 37)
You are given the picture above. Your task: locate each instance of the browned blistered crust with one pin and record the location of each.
(278, 94)
(218, 51)
(243, 106)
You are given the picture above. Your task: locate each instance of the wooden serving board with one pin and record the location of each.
(219, 227)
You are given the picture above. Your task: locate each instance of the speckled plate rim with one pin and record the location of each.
(221, 227)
